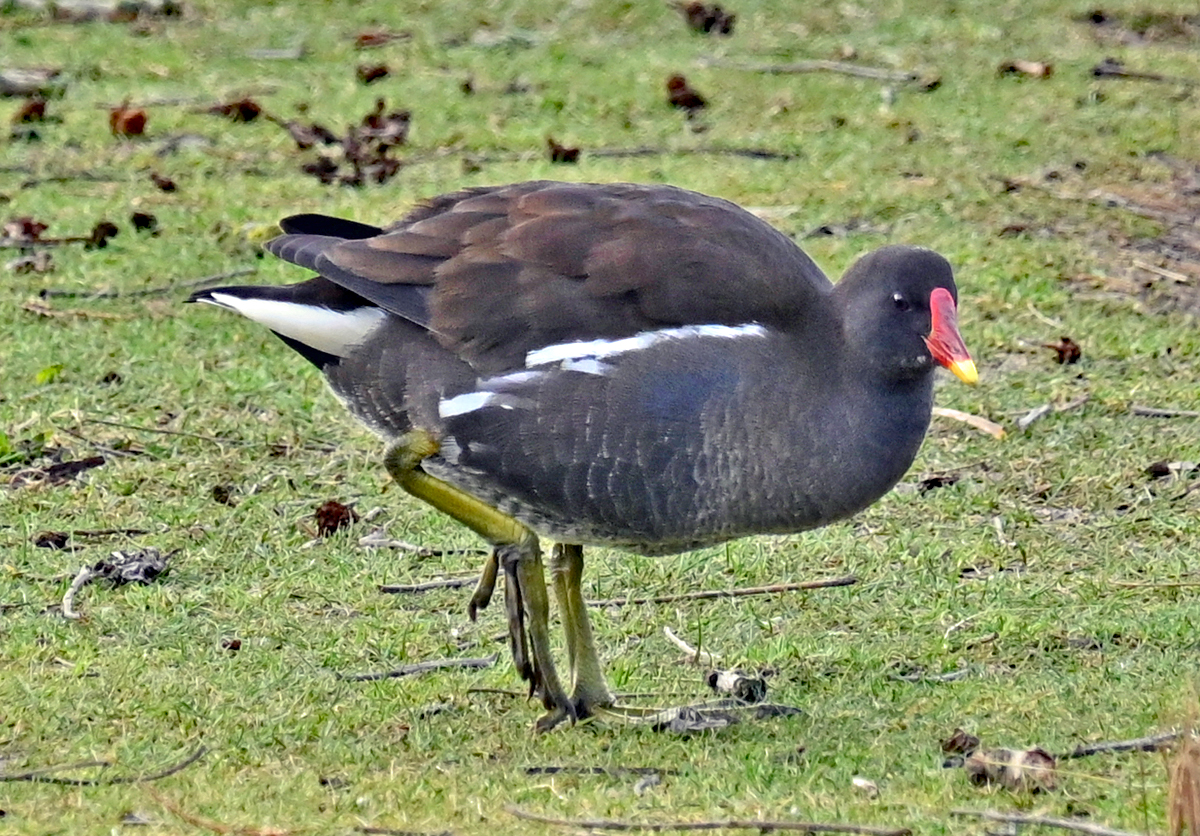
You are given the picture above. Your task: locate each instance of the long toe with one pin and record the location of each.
(482, 596)
(518, 640)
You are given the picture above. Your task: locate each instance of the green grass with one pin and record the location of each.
(1057, 650)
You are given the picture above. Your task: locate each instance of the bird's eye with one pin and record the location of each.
(900, 302)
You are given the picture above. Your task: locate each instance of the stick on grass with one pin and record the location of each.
(742, 592)
(1044, 821)
(422, 667)
(731, 824)
(39, 775)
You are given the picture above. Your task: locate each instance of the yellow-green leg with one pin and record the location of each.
(589, 690)
(516, 547)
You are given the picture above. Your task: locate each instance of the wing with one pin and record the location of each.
(498, 272)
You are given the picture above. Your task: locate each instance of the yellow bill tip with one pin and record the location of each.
(965, 371)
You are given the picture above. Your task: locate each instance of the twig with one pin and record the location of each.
(695, 655)
(875, 73)
(1074, 403)
(977, 421)
(1178, 278)
(52, 313)
(86, 575)
(448, 583)
(39, 776)
(1113, 69)
(1156, 584)
(1053, 323)
(192, 101)
(1155, 412)
(1045, 821)
(637, 151)
(650, 151)
(998, 524)
(85, 176)
(109, 451)
(113, 532)
(732, 824)
(1192, 487)
(421, 667)
(848, 580)
(599, 770)
(1141, 744)
(378, 539)
(310, 446)
(214, 825)
(1035, 414)
(1099, 197)
(503, 692)
(163, 431)
(161, 290)
(389, 831)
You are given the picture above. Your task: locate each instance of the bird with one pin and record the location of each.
(641, 367)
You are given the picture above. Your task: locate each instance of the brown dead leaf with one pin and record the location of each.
(51, 539)
(127, 121)
(682, 96)
(1183, 790)
(935, 481)
(365, 148)
(372, 38)
(960, 743)
(388, 129)
(561, 153)
(306, 136)
(144, 222)
(333, 515)
(164, 183)
(24, 229)
(101, 232)
(34, 110)
(324, 169)
(1067, 349)
(242, 110)
(224, 495)
(1019, 770)
(711, 20)
(368, 73)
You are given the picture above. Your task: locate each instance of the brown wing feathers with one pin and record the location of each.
(498, 272)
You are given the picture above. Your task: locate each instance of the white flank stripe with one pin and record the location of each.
(499, 382)
(333, 332)
(587, 365)
(597, 349)
(471, 401)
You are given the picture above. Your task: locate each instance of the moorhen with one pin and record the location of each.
(634, 366)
